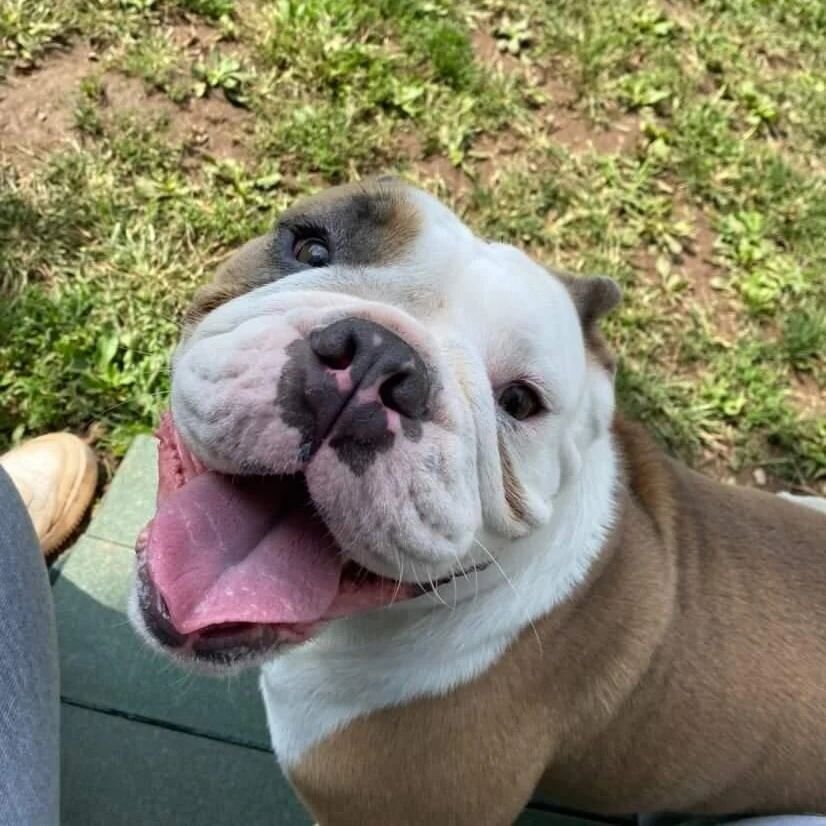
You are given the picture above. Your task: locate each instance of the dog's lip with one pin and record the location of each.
(230, 643)
(224, 627)
(228, 582)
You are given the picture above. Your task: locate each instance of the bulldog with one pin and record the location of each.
(392, 476)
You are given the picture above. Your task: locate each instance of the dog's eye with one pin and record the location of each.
(520, 401)
(313, 252)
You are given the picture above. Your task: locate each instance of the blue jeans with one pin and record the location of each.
(29, 682)
(708, 820)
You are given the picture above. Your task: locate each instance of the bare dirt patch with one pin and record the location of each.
(556, 88)
(36, 107)
(37, 111)
(490, 151)
(451, 180)
(440, 169)
(216, 128)
(558, 118)
(199, 40)
(699, 267)
(486, 49)
(209, 126)
(195, 38)
(125, 95)
(566, 126)
(808, 395)
(577, 134)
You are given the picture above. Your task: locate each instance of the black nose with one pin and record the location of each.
(343, 382)
(372, 356)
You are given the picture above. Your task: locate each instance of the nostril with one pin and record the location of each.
(389, 390)
(405, 393)
(336, 353)
(337, 362)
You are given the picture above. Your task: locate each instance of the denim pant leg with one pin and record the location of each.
(29, 683)
(782, 820)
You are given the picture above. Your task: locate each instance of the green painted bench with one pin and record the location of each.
(142, 742)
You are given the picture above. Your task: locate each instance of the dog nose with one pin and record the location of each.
(373, 356)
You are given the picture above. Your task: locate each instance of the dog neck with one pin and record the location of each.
(447, 637)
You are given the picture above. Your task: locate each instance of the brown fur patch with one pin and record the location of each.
(209, 298)
(514, 495)
(244, 270)
(380, 208)
(371, 223)
(599, 350)
(648, 476)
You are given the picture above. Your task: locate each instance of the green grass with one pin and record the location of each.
(712, 216)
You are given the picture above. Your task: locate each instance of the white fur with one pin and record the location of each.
(425, 647)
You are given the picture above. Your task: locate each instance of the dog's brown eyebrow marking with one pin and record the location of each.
(209, 298)
(371, 223)
(514, 494)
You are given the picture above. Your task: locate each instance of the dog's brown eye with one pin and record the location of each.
(520, 401)
(312, 251)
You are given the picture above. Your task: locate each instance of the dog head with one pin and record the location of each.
(358, 399)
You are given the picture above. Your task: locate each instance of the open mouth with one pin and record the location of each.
(237, 565)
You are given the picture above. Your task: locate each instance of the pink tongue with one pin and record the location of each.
(222, 550)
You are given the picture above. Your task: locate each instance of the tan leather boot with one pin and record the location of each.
(56, 476)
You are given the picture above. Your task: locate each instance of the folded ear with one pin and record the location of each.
(594, 296)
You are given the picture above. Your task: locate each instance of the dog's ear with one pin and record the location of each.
(594, 296)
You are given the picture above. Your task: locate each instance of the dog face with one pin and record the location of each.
(362, 402)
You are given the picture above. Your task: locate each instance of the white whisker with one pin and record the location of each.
(461, 568)
(501, 570)
(434, 590)
(455, 590)
(461, 571)
(431, 592)
(400, 559)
